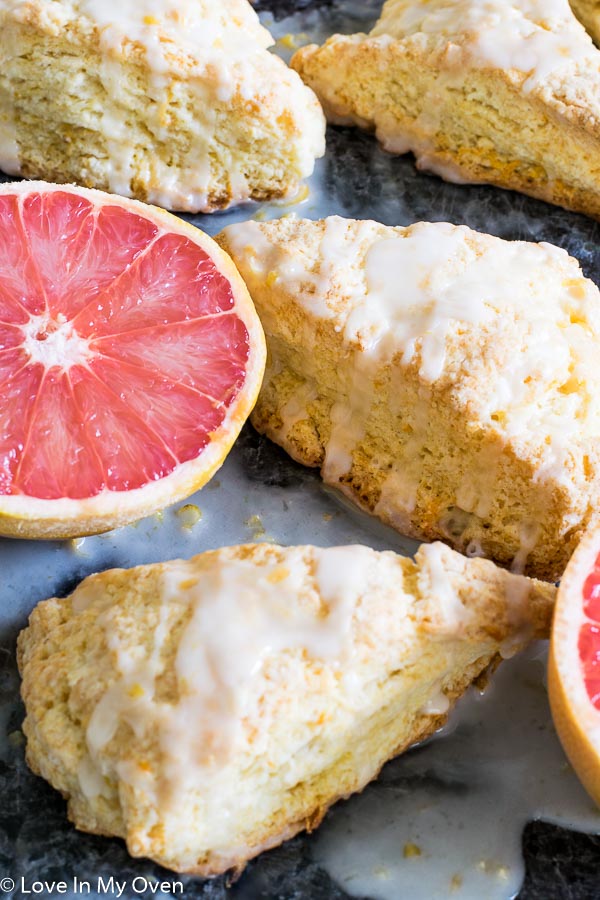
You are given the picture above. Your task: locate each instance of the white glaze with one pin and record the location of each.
(341, 576)
(217, 53)
(114, 127)
(474, 549)
(413, 294)
(462, 800)
(213, 40)
(196, 27)
(528, 537)
(417, 289)
(411, 140)
(222, 48)
(90, 779)
(476, 493)
(295, 410)
(309, 277)
(530, 322)
(451, 617)
(437, 704)
(348, 428)
(335, 248)
(399, 491)
(536, 37)
(535, 40)
(244, 629)
(240, 615)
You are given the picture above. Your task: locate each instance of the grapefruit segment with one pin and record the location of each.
(117, 433)
(79, 250)
(18, 393)
(53, 462)
(20, 289)
(180, 416)
(130, 357)
(149, 291)
(591, 593)
(589, 655)
(209, 355)
(10, 337)
(574, 665)
(12, 360)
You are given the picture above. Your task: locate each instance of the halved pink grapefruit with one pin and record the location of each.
(130, 357)
(574, 666)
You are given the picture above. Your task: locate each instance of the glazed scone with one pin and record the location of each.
(445, 380)
(208, 710)
(504, 92)
(176, 102)
(588, 13)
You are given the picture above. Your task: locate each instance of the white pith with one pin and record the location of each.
(54, 342)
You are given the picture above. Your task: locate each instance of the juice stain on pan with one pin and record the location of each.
(446, 819)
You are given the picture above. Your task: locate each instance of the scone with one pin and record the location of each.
(505, 92)
(208, 710)
(588, 13)
(176, 102)
(445, 380)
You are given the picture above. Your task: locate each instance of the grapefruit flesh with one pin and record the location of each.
(574, 665)
(130, 356)
(589, 635)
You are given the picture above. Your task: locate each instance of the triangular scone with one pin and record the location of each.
(208, 710)
(505, 92)
(445, 380)
(588, 13)
(176, 102)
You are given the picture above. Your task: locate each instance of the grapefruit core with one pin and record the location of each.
(130, 357)
(574, 666)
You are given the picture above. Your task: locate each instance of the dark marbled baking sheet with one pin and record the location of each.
(36, 840)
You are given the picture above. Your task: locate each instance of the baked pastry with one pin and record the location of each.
(208, 710)
(505, 92)
(176, 102)
(447, 381)
(588, 13)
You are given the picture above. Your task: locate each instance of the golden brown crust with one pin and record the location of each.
(469, 481)
(326, 741)
(463, 121)
(80, 107)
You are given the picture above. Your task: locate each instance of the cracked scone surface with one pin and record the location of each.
(207, 710)
(445, 380)
(505, 93)
(176, 103)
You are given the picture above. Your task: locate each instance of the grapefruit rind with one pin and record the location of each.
(576, 720)
(24, 516)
